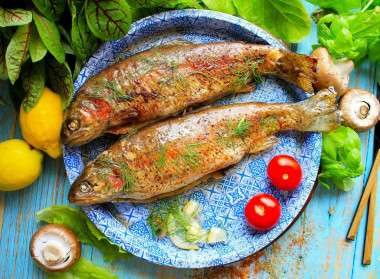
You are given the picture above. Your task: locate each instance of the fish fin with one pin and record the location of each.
(268, 143)
(298, 69)
(120, 130)
(321, 113)
(248, 88)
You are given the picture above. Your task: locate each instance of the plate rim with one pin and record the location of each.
(235, 21)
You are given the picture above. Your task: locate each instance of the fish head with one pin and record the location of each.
(96, 184)
(85, 120)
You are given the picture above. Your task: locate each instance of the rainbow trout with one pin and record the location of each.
(171, 156)
(165, 80)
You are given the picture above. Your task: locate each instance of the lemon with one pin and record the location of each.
(20, 165)
(41, 126)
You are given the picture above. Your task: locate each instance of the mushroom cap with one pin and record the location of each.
(332, 72)
(360, 108)
(55, 247)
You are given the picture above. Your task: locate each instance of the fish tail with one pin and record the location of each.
(322, 111)
(298, 69)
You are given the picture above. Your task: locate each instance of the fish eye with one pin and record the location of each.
(73, 125)
(85, 187)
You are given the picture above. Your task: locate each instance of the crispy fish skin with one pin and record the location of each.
(174, 155)
(163, 81)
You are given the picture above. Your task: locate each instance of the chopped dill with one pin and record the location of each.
(269, 122)
(161, 159)
(108, 84)
(244, 75)
(190, 156)
(129, 177)
(127, 135)
(241, 128)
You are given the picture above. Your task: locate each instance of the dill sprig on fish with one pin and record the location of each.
(161, 157)
(190, 156)
(269, 122)
(229, 136)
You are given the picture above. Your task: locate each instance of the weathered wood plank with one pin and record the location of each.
(315, 246)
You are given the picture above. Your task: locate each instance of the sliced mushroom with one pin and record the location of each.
(332, 72)
(55, 247)
(360, 108)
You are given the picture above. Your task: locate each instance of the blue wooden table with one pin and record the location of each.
(314, 247)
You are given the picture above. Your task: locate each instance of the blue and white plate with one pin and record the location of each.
(224, 200)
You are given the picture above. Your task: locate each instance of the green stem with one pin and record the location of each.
(368, 4)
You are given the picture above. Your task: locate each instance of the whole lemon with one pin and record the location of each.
(41, 126)
(20, 164)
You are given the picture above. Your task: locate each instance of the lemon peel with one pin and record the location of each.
(20, 164)
(41, 126)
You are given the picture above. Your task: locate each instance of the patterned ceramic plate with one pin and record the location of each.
(223, 201)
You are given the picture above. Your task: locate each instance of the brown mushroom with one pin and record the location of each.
(360, 108)
(55, 247)
(332, 72)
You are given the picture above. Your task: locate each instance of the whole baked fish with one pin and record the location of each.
(163, 81)
(171, 156)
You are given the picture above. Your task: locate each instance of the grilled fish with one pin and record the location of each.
(163, 81)
(168, 157)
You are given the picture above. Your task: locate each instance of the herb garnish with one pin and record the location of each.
(269, 122)
(129, 176)
(249, 70)
(241, 128)
(108, 84)
(190, 155)
(161, 159)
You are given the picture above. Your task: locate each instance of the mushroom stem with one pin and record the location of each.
(344, 66)
(52, 255)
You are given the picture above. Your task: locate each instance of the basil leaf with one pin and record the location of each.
(51, 9)
(3, 64)
(14, 17)
(61, 79)
(323, 179)
(287, 20)
(373, 50)
(37, 49)
(340, 6)
(33, 82)
(17, 50)
(346, 184)
(49, 34)
(371, 6)
(167, 4)
(108, 20)
(224, 6)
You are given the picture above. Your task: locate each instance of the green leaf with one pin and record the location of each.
(168, 4)
(8, 32)
(14, 17)
(224, 6)
(373, 50)
(346, 184)
(86, 231)
(33, 82)
(17, 50)
(61, 79)
(287, 20)
(84, 43)
(64, 33)
(37, 49)
(340, 6)
(83, 268)
(372, 4)
(51, 9)
(108, 20)
(3, 64)
(49, 34)
(323, 178)
(78, 67)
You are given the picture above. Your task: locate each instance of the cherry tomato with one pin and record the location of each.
(262, 211)
(285, 172)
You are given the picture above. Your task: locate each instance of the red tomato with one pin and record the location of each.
(285, 172)
(262, 212)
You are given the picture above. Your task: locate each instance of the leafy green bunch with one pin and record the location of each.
(341, 160)
(47, 42)
(350, 34)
